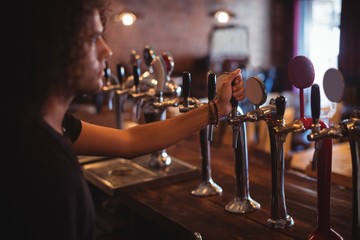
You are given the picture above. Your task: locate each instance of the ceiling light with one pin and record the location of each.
(127, 18)
(222, 16)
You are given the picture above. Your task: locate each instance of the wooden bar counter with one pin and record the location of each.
(169, 211)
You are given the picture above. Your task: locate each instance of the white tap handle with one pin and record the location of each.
(159, 71)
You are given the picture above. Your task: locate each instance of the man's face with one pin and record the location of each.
(96, 52)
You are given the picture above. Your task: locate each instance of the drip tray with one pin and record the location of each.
(115, 174)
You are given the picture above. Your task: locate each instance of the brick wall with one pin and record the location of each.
(183, 28)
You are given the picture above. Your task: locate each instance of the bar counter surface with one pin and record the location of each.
(172, 208)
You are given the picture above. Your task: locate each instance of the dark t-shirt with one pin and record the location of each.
(46, 195)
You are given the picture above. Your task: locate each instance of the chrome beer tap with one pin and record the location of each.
(207, 186)
(150, 94)
(350, 128)
(137, 95)
(273, 115)
(119, 91)
(110, 84)
(160, 158)
(148, 78)
(256, 93)
(301, 73)
(242, 202)
(279, 215)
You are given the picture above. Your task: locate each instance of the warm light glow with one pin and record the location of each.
(127, 18)
(222, 16)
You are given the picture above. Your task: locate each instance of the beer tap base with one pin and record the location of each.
(324, 234)
(242, 205)
(159, 160)
(288, 221)
(207, 188)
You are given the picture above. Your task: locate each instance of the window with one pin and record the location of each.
(318, 38)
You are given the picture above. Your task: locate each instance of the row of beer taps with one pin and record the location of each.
(154, 91)
(301, 73)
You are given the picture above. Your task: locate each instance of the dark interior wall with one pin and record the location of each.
(282, 28)
(183, 28)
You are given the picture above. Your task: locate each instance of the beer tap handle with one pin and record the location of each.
(136, 75)
(302, 74)
(315, 103)
(120, 74)
(211, 86)
(107, 73)
(107, 70)
(169, 63)
(148, 55)
(159, 69)
(315, 115)
(211, 96)
(280, 103)
(186, 88)
(255, 91)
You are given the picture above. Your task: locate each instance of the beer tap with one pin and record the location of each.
(301, 73)
(110, 81)
(149, 55)
(148, 80)
(137, 95)
(160, 158)
(172, 87)
(149, 93)
(272, 114)
(279, 215)
(207, 186)
(322, 157)
(333, 83)
(118, 89)
(242, 202)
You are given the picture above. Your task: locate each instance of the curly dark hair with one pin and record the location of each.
(53, 33)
